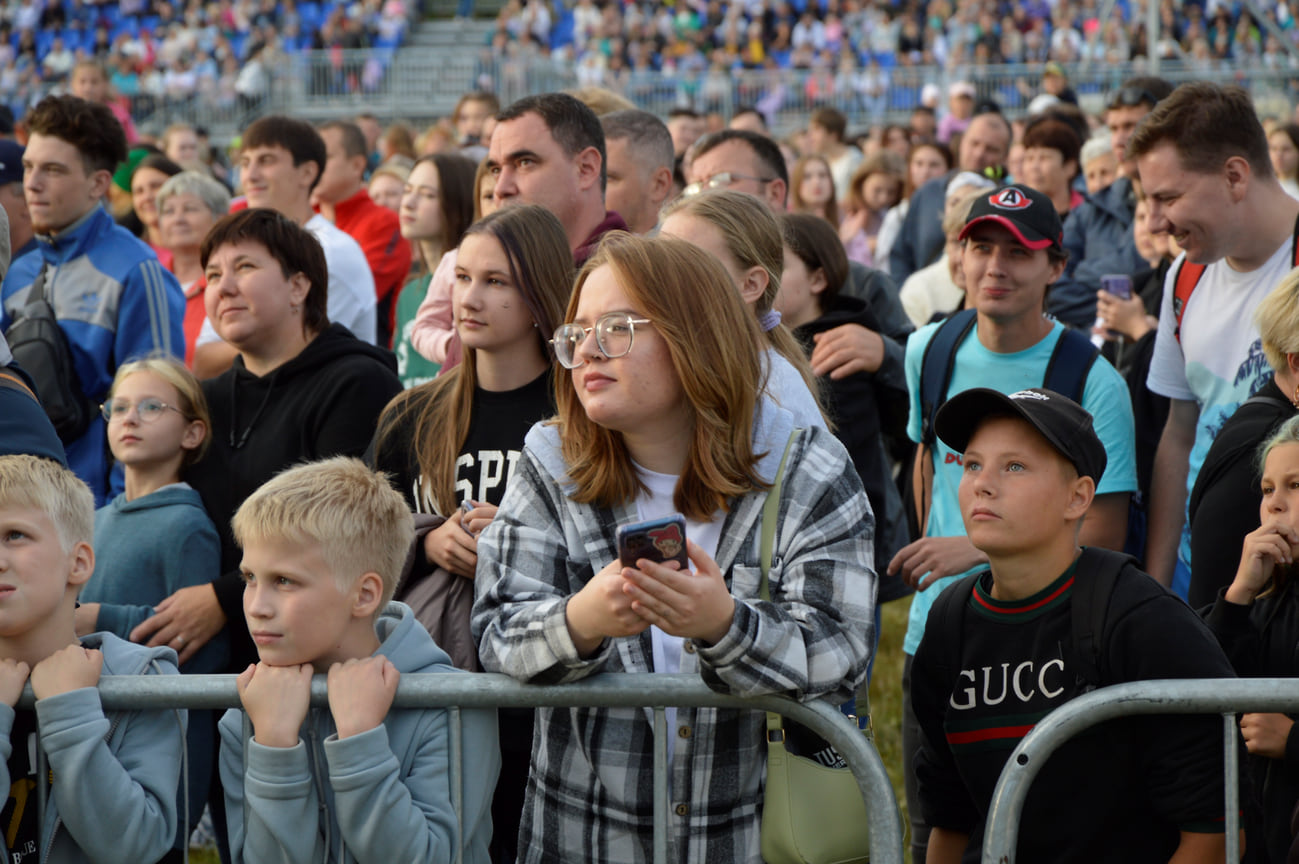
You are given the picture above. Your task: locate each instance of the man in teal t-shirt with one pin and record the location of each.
(1011, 253)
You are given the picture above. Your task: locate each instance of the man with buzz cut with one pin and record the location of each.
(639, 148)
(749, 162)
(113, 301)
(549, 150)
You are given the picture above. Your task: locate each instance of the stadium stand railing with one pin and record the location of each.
(1228, 697)
(425, 85)
(657, 692)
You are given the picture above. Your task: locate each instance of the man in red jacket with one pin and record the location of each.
(342, 198)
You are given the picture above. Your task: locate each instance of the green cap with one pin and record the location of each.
(122, 176)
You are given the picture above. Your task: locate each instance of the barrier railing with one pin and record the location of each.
(1227, 697)
(417, 84)
(457, 691)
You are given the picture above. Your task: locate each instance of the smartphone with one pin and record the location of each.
(466, 507)
(660, 540)
(1118, 284)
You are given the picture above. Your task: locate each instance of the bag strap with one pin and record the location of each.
(1070, 364)
(1095, 575)
(766, 545)
(1188, 276)
(947, 615)
(770, 510)
(16, 383)
(936, 367)
(41, 285)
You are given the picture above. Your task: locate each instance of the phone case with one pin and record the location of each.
(660, 540)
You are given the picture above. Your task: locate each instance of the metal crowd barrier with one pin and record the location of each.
(457, 691)
(1227, 697)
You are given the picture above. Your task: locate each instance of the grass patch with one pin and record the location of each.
(886, 697)
(199, 855)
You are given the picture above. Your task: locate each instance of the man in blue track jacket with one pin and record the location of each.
(112, 298)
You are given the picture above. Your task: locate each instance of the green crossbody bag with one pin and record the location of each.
(812, 813)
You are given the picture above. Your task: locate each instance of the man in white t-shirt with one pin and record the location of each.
(281, 162)
(1203, 161)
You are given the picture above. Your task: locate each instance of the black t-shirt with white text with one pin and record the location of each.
(19, 817)
(1119, 792)
(491, 450)
(495, 440)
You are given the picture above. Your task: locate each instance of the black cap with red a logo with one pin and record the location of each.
(1028, 214)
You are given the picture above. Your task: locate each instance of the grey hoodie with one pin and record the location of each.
(113, 797)
(381, 796)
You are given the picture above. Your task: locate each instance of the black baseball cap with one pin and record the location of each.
(1028, 214)
(1065, 424)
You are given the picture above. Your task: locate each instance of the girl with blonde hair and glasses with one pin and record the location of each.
(661, 410)
(156, 537)
(740, 231)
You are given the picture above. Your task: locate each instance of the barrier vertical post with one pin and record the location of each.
(1231, 784)
(660, 786)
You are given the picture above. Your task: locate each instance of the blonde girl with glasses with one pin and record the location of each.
(156, 537)
(661, 410)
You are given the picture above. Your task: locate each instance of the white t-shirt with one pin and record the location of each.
(655, 504)
(1219, 361)
(351, 284)
(929, 290)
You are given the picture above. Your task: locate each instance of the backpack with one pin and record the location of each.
(40, 346)
(1189, 274)
(1066, 372)
(1097, 571)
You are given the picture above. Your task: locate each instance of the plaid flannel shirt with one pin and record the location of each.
(590, 792)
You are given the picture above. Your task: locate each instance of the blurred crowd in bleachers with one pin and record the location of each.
(160, 53)
(860, 43)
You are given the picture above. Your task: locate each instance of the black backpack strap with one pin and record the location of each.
(1071, 362)
(936, 368)
(948, 612)
(1095, 575)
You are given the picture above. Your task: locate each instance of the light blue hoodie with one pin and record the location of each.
(113, 798)
(383, 795)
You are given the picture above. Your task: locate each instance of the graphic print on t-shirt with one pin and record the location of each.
(999, 697)
(481, 476)
(19, 815)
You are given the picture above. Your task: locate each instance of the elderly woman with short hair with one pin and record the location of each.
(189, 204)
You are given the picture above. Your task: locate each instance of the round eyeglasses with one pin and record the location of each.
(148, 410)
(613, 336)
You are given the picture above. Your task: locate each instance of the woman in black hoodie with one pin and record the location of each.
(301, 389)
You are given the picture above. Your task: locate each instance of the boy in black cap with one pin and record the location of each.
(1007, 645)
(1011, 254)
